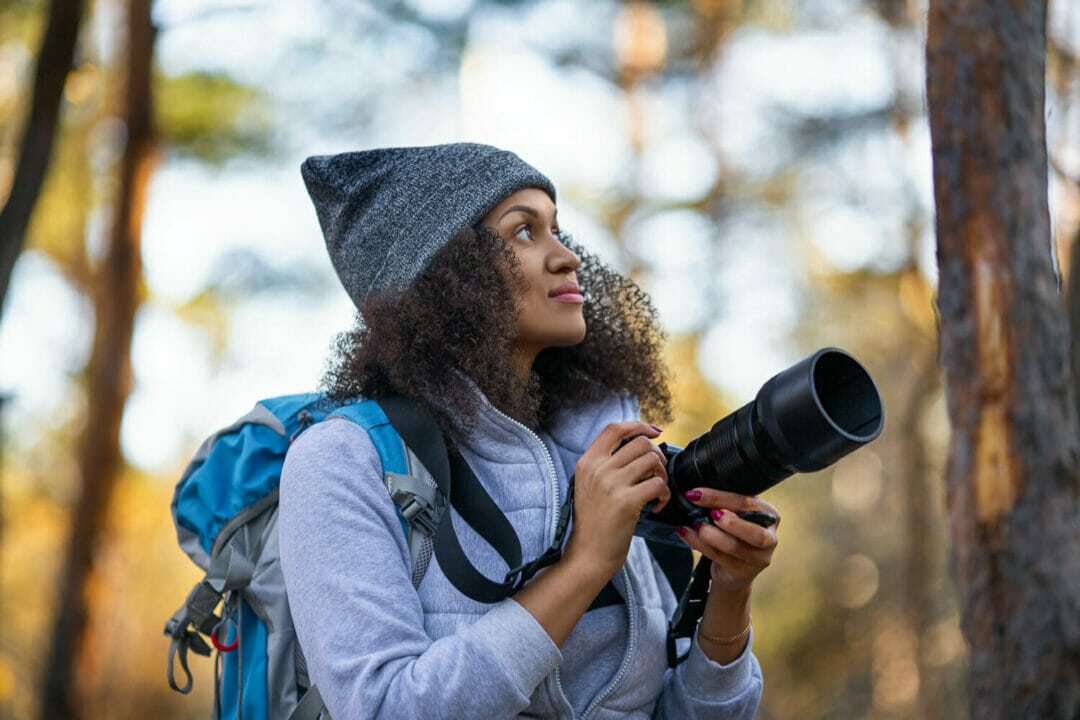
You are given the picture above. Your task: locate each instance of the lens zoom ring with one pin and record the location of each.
(722, 454)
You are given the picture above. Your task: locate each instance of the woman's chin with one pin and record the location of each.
(575, 338)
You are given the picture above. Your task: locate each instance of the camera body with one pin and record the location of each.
(803, 419)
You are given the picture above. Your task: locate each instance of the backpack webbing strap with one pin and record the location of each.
(420, 505)
(183, 639)
(458, 483)
(691, 608)
(421, 435)
(310, 706)
(676, 562)
(231, 569)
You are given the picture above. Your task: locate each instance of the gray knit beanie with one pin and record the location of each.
(384, 213)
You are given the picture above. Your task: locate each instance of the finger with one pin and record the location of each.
(644, 466)
(733, 563)
(664, 497)
(653, 488)
(718, 544)
(714, 541)
(721, 499)
(721, 541)
(768, 507)
(655, 449)
(635, 448)
(748, 532)
(724, 500)
(660, 454)
(610, 437)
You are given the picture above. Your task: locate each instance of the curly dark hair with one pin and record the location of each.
(458, 318)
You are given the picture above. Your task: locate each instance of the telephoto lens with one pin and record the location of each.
(803, 419)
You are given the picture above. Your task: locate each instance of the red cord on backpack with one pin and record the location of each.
(224, 648)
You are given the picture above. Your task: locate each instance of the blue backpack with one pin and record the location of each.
(225, 512)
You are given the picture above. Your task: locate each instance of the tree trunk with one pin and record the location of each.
(53, 63)
(1012, 477)
(1072, 311)
(116, 293)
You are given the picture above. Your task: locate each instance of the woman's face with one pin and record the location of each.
(551, 302)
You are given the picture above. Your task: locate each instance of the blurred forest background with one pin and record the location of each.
(762, 167)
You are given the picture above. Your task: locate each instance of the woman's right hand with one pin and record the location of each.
(611, 485)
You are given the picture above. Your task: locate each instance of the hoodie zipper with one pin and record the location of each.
(631, 621)
(630, 600)
(556, 503)
(555, 495)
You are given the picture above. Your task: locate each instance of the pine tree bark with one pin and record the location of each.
(1072, 311)
(1012, 479)
(54, 60)
(116, 293)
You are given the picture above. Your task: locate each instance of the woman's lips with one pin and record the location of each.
(568, 292)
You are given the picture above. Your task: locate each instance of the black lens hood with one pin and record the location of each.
(819, 410)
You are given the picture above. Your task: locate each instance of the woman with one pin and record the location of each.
(532, 360)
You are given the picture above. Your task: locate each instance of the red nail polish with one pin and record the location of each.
(717, 514)
(697, 528)
(657, 429)
(692, 495)
(681, 530)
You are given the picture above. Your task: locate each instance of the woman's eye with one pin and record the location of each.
(524, 233)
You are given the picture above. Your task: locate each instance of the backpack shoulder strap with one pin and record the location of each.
(689, 611)
(453, 481)
(408, 444)
(676, 562)
(691, 587)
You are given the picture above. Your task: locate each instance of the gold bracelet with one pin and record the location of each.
(717, 640)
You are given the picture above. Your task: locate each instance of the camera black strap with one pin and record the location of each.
(474, 505)
(689, 611)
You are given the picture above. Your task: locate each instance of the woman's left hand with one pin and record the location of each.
(739, 549)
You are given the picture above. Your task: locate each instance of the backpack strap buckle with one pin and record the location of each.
(201, 603)
(417, 500)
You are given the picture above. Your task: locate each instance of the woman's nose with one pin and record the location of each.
(564, 259)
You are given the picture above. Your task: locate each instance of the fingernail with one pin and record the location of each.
(692, 495)
(657, 429)
(681, 530)
(697, 528)
(717, 514)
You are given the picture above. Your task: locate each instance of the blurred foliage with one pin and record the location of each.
(211, 117)
(140, 573)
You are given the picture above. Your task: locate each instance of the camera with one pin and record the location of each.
(802, 419)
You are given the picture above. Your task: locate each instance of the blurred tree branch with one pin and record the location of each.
(55, 58)
(115, 293)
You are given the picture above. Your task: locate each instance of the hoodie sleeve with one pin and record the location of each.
(358, 617)
(701, 688)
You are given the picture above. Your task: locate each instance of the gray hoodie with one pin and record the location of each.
(377, 648)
